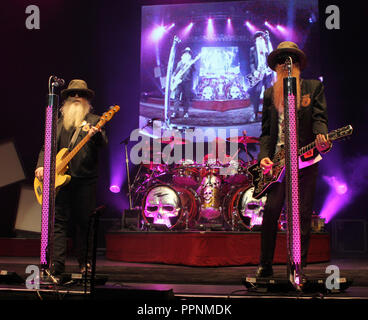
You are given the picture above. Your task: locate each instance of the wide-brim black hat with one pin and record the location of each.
(78, 86)
(283, 49)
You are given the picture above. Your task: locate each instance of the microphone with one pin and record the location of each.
(58, 82)
(288, 64)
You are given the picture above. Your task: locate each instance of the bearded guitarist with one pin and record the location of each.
(77, 199)
(312, 127)
(183, 91)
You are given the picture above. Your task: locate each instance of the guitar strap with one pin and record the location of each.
(74, 138)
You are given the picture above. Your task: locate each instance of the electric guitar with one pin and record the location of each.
(178, 78)
(63, 157)
(262, 182)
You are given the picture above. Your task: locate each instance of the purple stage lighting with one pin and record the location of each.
(210, 28)
(229, 27)
(115, 189)
(187, 29)
(270, 26)
(250, 27)
(337, 185)
(158, 33)
(337, 198)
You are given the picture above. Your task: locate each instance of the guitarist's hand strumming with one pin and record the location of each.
(266, 165)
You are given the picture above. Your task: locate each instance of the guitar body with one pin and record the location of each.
(61, 179)
(262, 182)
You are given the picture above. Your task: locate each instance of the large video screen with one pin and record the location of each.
(204, 65)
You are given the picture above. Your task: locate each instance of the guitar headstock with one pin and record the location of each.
(340, 133)
(107, 115)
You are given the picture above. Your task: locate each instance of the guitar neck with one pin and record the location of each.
(72, 153)
(310, 146)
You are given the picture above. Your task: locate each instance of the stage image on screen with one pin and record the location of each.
(205, 65)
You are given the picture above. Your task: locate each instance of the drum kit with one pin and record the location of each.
(197, 196)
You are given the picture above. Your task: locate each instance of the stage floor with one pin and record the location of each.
(199, 282)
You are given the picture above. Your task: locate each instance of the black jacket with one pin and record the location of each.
(312, 117)
(85, 162)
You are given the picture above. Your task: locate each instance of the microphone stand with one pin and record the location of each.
(126, 141)
(294, 267)
(48, 192)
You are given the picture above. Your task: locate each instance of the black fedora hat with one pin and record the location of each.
(80, 87)
(284, 48)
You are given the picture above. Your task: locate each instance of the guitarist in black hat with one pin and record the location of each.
(76, 200)
(183, 92)
(312, 126)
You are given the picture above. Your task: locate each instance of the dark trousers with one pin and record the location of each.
(272, 211)
(184, 90)
(73, 206)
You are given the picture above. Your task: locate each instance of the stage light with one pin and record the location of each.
(229, 27)
(187, 29)
(341, 188)
(170, 27)
(158, 33)
(337, 185)
(270, 26)
(115, 189)
(280, 28)
(210, 28)
(336, 199)
(250, 27)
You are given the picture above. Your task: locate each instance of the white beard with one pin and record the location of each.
(74, 112)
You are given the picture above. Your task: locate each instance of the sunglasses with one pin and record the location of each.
(282, 59)
(80, 94)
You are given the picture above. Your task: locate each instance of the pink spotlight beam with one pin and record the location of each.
(187, 29)
(229, 27)
(270, 26)
(210, 28)
(338, 197)
(250, 27)
(159, 31)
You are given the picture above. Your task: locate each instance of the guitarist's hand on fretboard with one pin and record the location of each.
(322, 144)
(93, 130)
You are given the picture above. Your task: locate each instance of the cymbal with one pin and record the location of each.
(173, 140)
(243, 139)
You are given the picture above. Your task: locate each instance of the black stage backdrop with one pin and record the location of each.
(99, 41)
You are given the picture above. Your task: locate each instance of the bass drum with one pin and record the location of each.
(241, 210)
(170, 206)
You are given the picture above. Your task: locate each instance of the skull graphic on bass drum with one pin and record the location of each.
(162, 204)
